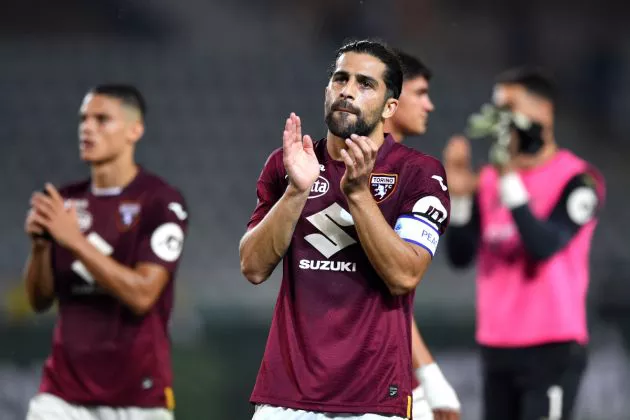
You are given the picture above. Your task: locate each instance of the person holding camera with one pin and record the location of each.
(527, 218)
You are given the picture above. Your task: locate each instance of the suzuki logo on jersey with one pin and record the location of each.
(330, 240)
(319, 188)
(382, 185)
(81, 270)
(349, 267)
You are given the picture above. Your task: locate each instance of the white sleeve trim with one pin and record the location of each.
(419, 231)
(512, 190)
(461, 209)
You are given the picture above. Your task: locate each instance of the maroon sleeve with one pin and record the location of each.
(270, 186)
(163, 229)
(426, 192)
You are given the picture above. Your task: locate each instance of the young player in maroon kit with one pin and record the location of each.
(106, 250)
(433, 396)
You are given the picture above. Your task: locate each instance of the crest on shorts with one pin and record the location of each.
(129, 212)
(383, 185)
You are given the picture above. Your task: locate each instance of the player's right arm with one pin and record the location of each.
(463, 233)
(38, 276)
(273, 222)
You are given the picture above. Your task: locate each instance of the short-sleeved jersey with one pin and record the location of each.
(103, 353)
(339, 340)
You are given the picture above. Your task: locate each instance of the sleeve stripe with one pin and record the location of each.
(417, 231)
(422, 220)
(420, 245)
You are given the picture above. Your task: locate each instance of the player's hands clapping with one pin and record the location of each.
(299, 156)
(359, 158)
(50, 213)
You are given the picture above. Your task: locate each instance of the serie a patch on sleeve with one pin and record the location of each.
(418, 230)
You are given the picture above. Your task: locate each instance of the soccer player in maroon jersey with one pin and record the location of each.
(433, 396)
(356, 219)
(106, 250)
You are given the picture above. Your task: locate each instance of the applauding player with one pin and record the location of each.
(356, 219)
(106, 249)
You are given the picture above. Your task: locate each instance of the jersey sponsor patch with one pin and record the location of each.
(581, 205)
(418, 230)
(432, 209)
(319, 188)
(167, 241)
(383, 185)
(331, 237)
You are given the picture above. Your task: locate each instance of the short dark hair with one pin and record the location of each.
(534, 79)
(129, 95)
(412, 67)
(393, 76)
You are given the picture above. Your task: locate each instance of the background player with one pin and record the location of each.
(433, 397)
(529, 218)
(340, 337)
(116, 239)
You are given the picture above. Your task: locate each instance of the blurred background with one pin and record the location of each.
(220, 78)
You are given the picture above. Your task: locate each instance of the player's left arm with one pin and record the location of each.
(138, 287)
(400, 261)
(439, 394)
(542, 238)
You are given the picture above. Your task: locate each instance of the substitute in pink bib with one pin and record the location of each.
(529, 218)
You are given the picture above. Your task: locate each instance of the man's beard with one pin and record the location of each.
(342, 126)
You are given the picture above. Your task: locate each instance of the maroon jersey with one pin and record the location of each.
(102, 353)
(339, 341)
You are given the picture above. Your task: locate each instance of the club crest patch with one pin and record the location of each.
(129, 212)
(383, 186)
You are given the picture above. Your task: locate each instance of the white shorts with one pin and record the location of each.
(50, 407)
(268, 412)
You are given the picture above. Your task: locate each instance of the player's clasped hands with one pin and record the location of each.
(50, 214)
(299, 156)
(359, 158)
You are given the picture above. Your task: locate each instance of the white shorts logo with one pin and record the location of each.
(167, 241)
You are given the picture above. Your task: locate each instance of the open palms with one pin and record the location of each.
(299, 157)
